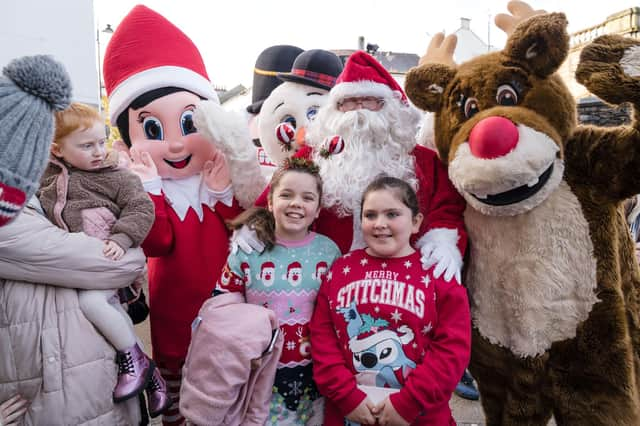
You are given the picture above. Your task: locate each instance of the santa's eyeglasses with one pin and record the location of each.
(368, 102)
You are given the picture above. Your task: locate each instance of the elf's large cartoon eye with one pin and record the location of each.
(186, 123)
(289, 119)
(153, 128)
(312, 111)
(470, 107)
(506, 95)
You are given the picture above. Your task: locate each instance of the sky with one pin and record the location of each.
(230, 34)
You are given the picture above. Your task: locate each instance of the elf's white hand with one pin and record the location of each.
(439, 247)
(247, 240)
(216, 173)
(142, 165)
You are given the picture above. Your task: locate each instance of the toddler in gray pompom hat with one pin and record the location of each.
(31, 89)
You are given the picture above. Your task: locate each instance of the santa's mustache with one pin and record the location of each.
(361, 123)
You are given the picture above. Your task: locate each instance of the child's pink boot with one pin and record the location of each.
(157, 394)
(134, 372)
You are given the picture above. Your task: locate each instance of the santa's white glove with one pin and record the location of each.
(247, 240)
(439, 247)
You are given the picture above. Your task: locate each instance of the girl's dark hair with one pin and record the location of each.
(402, 190)
(261, 219)
(122, 122)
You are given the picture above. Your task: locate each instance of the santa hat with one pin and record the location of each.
(294, 265)
(371, 338)
(267, 265)
(363, 75)
(148, 52)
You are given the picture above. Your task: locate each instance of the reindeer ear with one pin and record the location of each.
(425, 85)
(540, 42)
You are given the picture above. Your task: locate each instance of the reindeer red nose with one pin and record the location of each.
(493, 137)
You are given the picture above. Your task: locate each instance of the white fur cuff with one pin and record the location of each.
(153, 186)
(440, 236)
(225, 196)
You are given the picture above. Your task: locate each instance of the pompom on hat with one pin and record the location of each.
(148, 52)
(363, 75)
(32, 88)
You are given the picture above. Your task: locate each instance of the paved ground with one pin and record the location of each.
(466, 413)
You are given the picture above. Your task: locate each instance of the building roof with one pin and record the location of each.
(469, 44)
(394, 62)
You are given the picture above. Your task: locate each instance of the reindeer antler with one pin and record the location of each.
(440, 50)
(520, 11)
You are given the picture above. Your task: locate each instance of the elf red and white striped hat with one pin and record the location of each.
(148, 52)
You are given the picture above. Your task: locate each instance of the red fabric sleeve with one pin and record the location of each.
(263, 199)
(228, 212)
(159, 241)
(447, 355)
(445, 205)
(330, 371)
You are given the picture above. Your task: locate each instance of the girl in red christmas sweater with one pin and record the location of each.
(389, 341)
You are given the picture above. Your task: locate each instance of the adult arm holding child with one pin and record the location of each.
(32, 249)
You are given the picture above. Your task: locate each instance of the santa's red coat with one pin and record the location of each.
(440, 203)
(185, 261)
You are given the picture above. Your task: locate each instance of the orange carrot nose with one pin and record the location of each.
(300, 137)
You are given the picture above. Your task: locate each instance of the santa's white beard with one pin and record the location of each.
(376, 142)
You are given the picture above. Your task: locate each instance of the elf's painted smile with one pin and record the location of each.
(180, 163)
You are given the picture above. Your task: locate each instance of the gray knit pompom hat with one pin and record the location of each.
(32, 88)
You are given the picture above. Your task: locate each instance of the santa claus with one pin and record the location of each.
(321, 271)
(294, 274)
(246, 270)
(267, 273)
(367, 128)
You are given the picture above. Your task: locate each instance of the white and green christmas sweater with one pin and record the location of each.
(286, 279)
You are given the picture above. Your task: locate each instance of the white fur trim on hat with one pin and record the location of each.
(155, 78)
(358, 345)
(360, 88)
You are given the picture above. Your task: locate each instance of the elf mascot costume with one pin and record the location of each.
(155, 77)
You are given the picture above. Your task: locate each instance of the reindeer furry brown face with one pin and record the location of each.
(501, 119)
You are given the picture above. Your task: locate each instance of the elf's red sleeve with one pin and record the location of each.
(159, 240)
